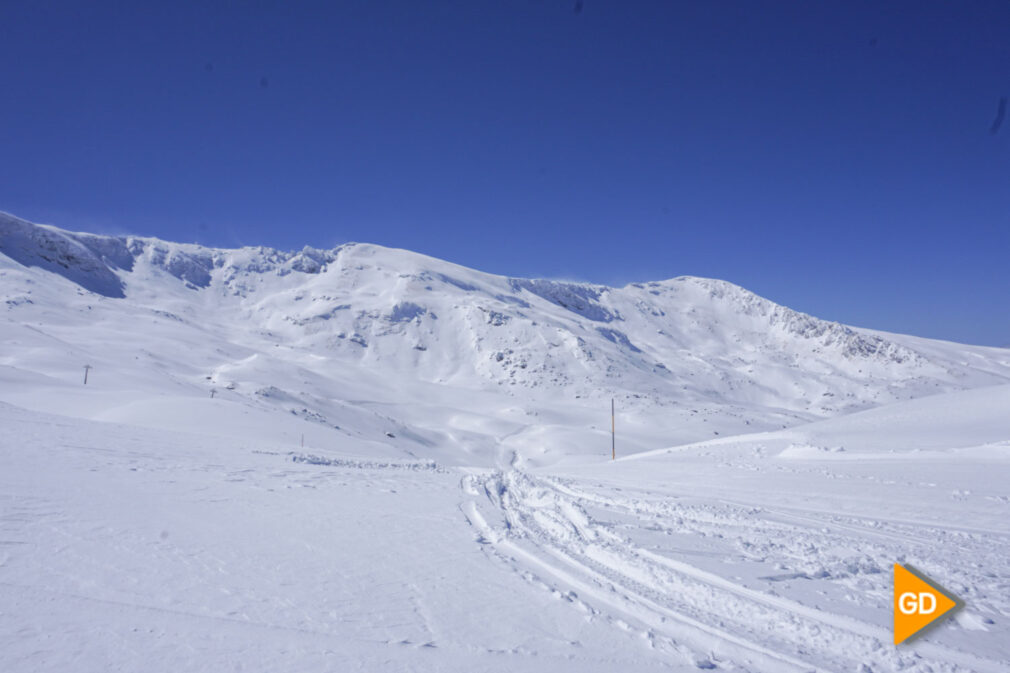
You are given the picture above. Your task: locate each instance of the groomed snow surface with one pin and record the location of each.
(405, 466)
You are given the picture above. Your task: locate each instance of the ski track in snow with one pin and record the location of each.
(563, 537)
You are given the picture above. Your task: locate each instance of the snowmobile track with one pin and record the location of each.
(543, 528)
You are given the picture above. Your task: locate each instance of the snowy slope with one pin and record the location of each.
(808, 517)
(363, 342)
(124, 548)
(128, 548)
(369, 459)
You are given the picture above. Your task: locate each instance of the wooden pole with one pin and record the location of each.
(86, 368)
(613, 437)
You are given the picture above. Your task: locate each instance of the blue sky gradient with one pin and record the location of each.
(836, 157)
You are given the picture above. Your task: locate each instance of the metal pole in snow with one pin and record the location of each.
(613, 438)
(86, 368)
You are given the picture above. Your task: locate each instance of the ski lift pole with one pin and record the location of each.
(86, 368)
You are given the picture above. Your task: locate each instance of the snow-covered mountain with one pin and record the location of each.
(365, 458)
(386, 346)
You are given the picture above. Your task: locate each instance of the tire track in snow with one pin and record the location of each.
(850, 551)
(544, 531)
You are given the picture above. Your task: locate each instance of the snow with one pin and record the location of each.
(365, 458)
(124, 548)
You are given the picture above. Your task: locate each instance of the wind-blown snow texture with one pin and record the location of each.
(368, 458)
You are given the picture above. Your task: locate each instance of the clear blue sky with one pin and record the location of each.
(836, 157)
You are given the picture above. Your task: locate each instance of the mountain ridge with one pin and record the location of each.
(686, 356)
(193, 263)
